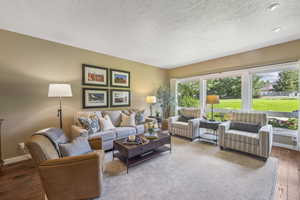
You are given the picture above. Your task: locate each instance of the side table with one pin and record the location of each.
(212, 125)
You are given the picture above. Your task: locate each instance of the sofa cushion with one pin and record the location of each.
(245, 126)
(190, 112)
(85, 114)
(183, 118)
(106, 123)
(127, 120)
(106, 135)
(140, 129)
(115, 116)
(78, 146)
(91, 124)
(123, 132)
(180, 124)
(242, 136)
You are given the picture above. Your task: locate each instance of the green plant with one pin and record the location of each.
(188, 101)
(166, 100)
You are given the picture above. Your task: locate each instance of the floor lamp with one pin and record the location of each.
(59, 91)
(212, 99)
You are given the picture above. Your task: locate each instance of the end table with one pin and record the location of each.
(212, 125)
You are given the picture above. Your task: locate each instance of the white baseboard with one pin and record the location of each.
(17, 159)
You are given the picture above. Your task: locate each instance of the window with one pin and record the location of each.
(229, 91)
(188, 94)
(277, 93)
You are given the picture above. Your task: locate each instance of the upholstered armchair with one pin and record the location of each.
(189, 129)
(67, 178)
(257, 143)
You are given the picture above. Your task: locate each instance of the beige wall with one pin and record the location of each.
(28, 65)
(269, 55)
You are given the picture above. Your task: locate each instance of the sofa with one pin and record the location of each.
(189, 129)
(257, 143)
(59, 175)
(108, 137)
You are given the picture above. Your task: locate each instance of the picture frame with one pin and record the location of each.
(94, 75)
(120, 98)
(95, 98)
(119, 78)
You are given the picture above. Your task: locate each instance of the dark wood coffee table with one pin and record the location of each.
(132, 155)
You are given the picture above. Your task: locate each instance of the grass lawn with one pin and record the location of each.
(277, 105)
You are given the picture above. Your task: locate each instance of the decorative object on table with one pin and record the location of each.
(119, 78)
(166, 100)
(60, 90)
(151, 100)
(94, 98)
(94, 75)
(212, 99)
(120, 98)
(1, 159)
(212, 125)
(135, 140)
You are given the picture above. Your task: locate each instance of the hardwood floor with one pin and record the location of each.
(21, 182)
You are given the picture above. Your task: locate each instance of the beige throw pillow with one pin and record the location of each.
(127, 120)
(106, 123)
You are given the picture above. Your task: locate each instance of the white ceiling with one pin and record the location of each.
(163, 33)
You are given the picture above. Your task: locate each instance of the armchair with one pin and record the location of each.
(188, 129)
(259, 144)
(62, 177)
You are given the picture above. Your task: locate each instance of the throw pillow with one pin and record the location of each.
(140, 116)
(78, 146)
(244, 126)
(91, 124)
(127, 120)
(184, 118)
(106, 123)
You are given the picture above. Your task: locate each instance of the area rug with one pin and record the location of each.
(193, 171)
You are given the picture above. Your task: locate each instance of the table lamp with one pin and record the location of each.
(60, 90)
(151, 100)
(212, 99)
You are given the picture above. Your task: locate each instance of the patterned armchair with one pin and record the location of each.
(188, 129)
(259, 144)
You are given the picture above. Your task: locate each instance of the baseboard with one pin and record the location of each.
(16, 159)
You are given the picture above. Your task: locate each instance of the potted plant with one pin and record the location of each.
(166, 101)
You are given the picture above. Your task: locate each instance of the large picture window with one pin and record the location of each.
(188, 94)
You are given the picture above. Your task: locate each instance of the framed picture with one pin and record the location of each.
(93, 75)
(119, 78)
(120, 98)
(94, 98)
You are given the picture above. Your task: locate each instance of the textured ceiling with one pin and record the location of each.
(163, 33)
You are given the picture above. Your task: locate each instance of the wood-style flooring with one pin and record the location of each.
(21, 182)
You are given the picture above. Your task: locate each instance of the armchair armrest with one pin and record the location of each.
(78, 131)
(224, 126)
(266, 139)
(75, 177)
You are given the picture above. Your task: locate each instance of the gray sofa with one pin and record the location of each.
(110, 135)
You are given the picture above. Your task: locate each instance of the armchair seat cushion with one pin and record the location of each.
(242, 136)
(180, 124)
(123, 132)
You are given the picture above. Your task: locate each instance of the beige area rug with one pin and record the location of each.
(193, 171)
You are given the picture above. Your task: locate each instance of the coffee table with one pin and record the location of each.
(132, 155)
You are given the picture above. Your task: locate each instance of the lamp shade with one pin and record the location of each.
(212, 99)
(151, 99)
(59, 90)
